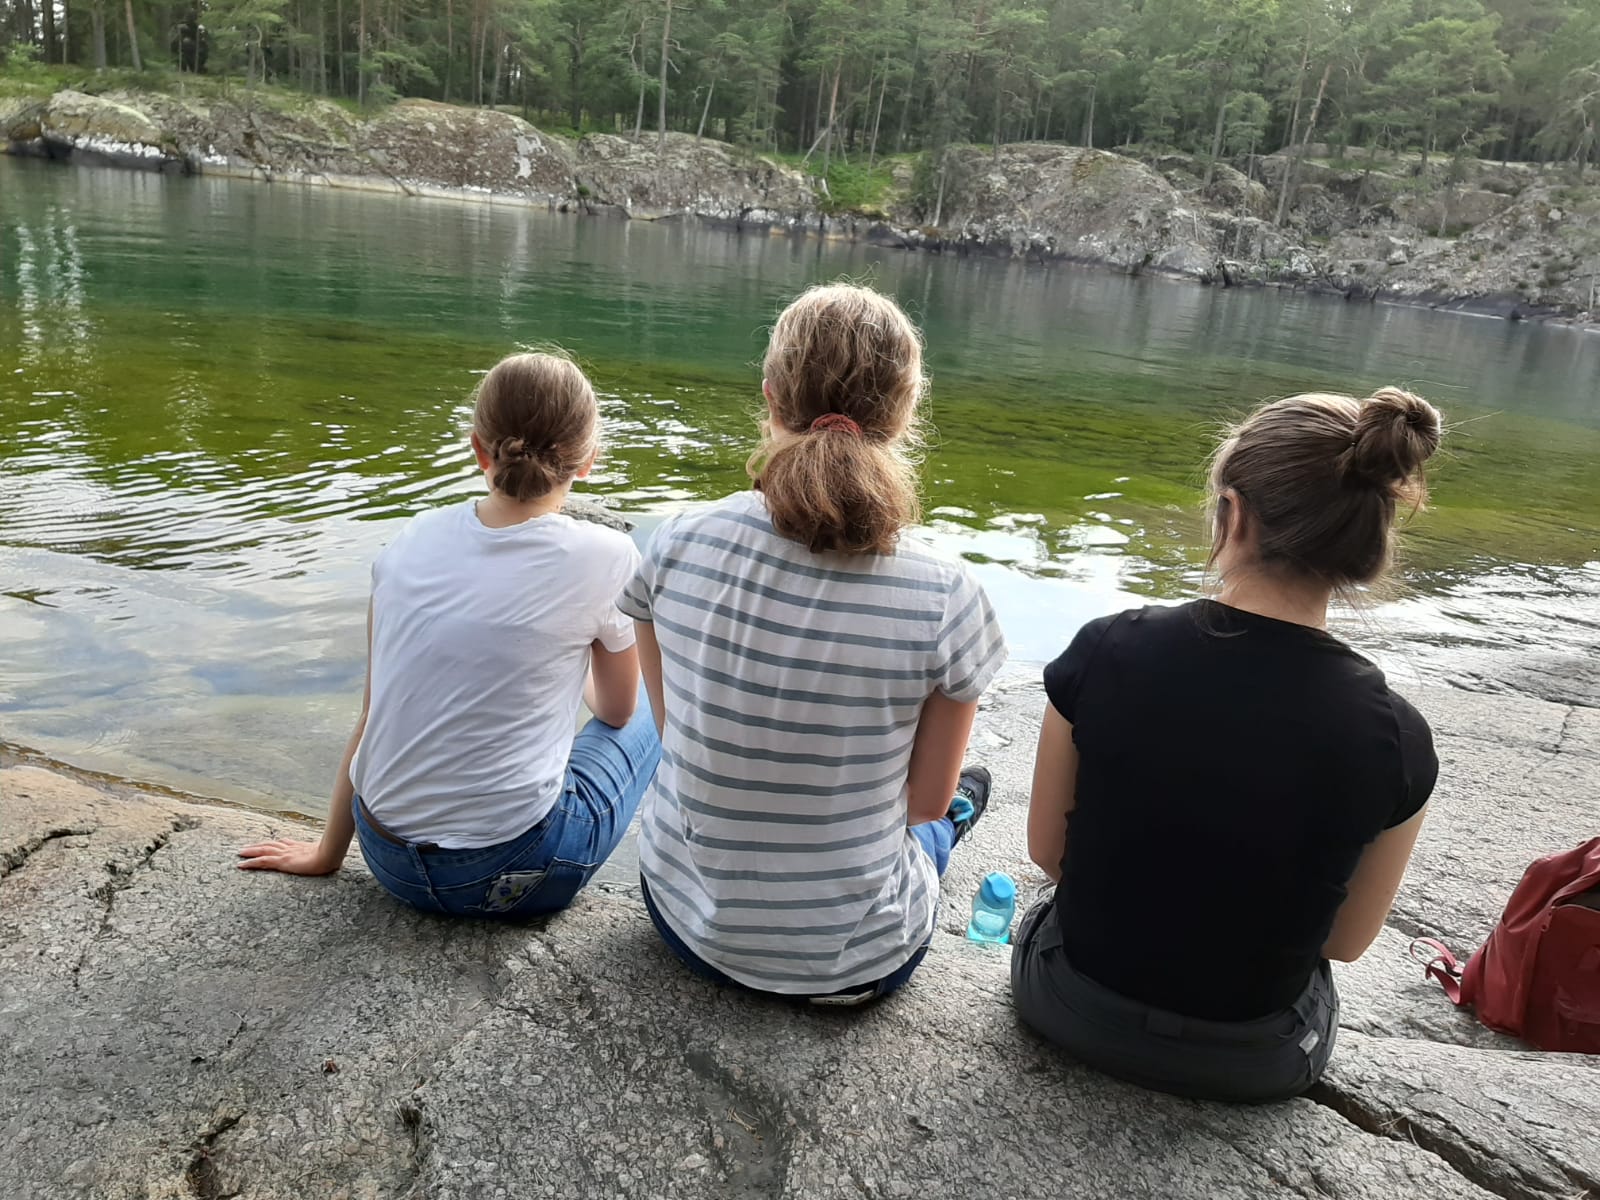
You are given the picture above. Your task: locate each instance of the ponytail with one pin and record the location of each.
(834, 490)
(843, 381)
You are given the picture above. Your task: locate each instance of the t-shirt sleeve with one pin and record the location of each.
(971, 649)
(1064, 675)
(616, 626)
(637, 601)
(1418, 762)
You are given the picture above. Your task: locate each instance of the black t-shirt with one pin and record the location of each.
(1231, 769)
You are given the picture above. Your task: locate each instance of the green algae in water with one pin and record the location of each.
(218, 398)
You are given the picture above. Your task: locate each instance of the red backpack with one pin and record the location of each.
(1538, 975)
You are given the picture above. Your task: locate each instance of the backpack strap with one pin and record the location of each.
(1440, 964)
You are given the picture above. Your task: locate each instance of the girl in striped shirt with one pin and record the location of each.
(814, 671)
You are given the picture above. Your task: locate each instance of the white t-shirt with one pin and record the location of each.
(774, 835)
(480, 647)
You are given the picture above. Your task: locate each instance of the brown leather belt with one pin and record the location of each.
(372, 824)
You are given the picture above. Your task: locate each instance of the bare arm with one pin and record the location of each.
(1055, 792)
(650, 667)
(936, 754)
(613, 693)
(326, 856)
(1371, 891)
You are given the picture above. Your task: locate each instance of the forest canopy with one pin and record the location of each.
(1514, 79)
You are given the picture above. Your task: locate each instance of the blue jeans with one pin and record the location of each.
(542, 870)
(936, 837)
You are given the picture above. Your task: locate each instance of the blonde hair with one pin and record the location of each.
(1321, 476)
(844, 379)
(537, 419)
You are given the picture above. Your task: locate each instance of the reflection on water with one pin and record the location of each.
(219, 399)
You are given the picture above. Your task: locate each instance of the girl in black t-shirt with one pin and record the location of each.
(1226, 794)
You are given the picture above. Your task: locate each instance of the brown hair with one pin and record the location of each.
(844, 374)
(1320, 476)
(538, 421)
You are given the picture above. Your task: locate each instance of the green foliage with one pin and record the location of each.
(858, 80)
(853, 188)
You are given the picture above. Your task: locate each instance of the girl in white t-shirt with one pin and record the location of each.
(490, 621)
(815, 672)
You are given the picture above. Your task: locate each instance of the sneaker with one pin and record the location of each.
(971, 798)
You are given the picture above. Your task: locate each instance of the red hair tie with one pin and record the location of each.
(833, 420)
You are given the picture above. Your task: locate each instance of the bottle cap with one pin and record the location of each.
(998, 888)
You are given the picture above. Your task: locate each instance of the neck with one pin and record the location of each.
(1270, 595)
(498, 511)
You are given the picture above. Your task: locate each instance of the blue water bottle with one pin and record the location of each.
(993, 908)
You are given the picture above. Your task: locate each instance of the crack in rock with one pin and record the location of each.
(749, 1140)
(1482, 1165)
(1562, 734)
(122, 878)
(410, 1115)
(12, 860)
(201, 1175)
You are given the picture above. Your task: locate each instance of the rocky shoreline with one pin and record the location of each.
(175, 1028)
(1515, 242)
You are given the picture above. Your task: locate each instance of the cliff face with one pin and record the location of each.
(690, 176)
(1504, 239)
(1091, 206)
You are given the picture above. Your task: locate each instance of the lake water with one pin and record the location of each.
(219, 399)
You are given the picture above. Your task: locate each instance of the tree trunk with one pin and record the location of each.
(938, 204)
(883, 86)
(1216, 142)
(833, 110)
(1292, 169)
(499, 63)
(1294, 128)
(361, 54)
(661, 100)
(48, 12)
(338, 46)
(575, 76)
(705, 112)
(1088, 119)
(97, 33)
(994, 141)
(449, 47)
(638, 117)
(133, 36)
(483, 54)
(322, 50)
(905, 103)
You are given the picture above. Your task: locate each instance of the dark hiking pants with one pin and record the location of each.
(1269, 1058)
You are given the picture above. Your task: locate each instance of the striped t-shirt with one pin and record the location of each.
(774, 837)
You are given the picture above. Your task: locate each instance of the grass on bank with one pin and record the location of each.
(851, 186)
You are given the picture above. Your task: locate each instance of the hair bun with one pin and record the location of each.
(1396, 432)
(512, 450)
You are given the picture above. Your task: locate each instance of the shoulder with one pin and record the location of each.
(593, 536)
(1131, 633)
(740, 518)
(1152, 622)
(435, 522)
(914, 558)
(1416, 735)
(598, 550)
(424, 529)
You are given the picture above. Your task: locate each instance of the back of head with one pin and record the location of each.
(1320, 477)
(537, 419)
(844, 378)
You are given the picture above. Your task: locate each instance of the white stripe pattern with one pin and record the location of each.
(774, 835)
